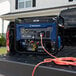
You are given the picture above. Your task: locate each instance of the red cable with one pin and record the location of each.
(58, 61)
(45, 49)
(36, 68)
(62, 61)
(45, 61)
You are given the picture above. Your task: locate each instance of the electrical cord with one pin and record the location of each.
(58, 61)
(44, 47)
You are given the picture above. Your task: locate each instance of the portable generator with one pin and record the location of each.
(59, 32)
(28, 32)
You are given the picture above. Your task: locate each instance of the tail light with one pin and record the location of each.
(7, 40)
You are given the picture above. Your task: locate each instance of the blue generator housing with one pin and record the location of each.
(28, 35)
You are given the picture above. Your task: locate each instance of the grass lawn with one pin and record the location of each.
(3, 50)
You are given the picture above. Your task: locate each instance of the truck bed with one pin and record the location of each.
(22, 65)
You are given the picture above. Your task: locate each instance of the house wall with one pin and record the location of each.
(4, 8)
(40, 4)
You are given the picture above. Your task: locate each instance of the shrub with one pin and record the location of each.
(2, 41)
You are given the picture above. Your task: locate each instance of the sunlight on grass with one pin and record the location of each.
(3, 50)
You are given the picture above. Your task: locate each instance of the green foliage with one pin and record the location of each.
(3, 50)
(2, 41)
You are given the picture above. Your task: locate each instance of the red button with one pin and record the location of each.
(37, 43)
(31, 41)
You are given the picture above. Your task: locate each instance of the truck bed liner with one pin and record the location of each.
(22, 65)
